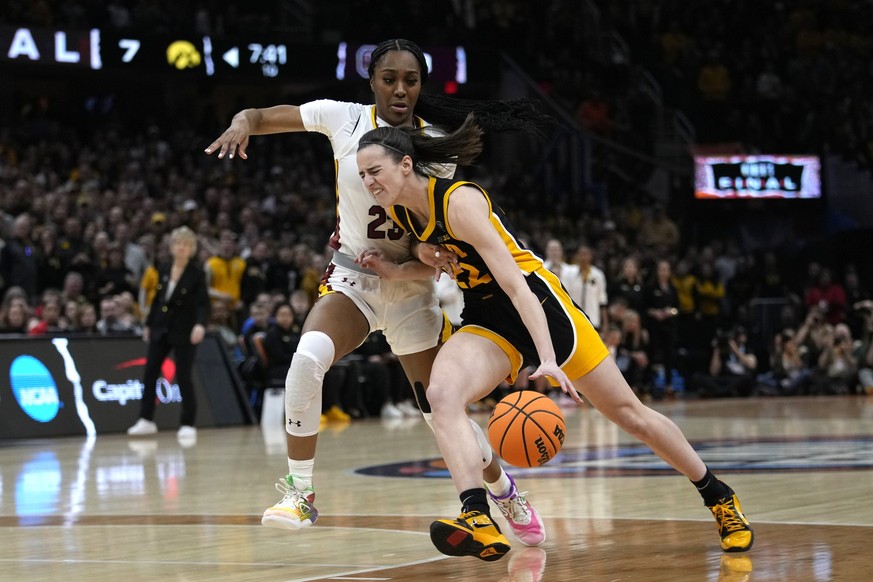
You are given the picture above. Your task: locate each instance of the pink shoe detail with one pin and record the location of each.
(523, 519)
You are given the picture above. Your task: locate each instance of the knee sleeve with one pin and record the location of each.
(304, 381)
(305, 376)
(304, 424)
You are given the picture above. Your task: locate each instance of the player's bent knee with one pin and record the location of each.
(441, 397)
(302, 383)
(305, 376)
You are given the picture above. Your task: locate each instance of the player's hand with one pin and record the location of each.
(437, 256)
(374, 260)
(444, 261)
(198, 332)
(553, 371)
(447, 271)
(234, 139)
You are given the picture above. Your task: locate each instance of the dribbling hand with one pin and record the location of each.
(553, 371)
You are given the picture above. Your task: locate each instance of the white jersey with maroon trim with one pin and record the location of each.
(361, 222)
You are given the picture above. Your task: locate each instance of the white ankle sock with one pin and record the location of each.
(302, 473)
(502, 486)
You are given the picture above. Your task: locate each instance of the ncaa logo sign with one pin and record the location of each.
(34, 388)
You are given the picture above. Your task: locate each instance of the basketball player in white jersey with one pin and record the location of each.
(354, 301)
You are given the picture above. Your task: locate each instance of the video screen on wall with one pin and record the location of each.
(741, 176)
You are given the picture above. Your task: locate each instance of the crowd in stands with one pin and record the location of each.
(789, 76)
(86, 204)
(81, 235)
(716, 321)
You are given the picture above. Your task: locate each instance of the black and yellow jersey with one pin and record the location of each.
(488, 311)
(474, 277)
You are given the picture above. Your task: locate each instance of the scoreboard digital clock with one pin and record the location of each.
(257, 56)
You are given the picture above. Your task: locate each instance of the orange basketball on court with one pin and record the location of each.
(526, 429)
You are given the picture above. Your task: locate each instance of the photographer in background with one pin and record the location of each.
(789, 373)
(732, 370)
(828, 296)
(837, 369)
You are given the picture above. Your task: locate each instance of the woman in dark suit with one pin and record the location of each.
(176, 321)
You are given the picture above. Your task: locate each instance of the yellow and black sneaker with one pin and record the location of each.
(471, 534)
(733, 527)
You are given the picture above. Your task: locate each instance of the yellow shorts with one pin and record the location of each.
(577, 344)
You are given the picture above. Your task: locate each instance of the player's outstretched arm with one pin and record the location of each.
(248, 122)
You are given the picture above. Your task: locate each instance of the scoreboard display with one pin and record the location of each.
(42, 46)
(254, 57)
(747, 176)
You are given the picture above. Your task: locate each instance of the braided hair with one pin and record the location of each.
(450, 113)
(398, 44)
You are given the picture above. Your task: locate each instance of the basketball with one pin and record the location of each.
(526, 429)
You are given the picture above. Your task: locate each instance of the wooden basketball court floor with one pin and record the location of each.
(117, 508)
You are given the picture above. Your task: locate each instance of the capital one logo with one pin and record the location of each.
(34, 388)
(166, 390)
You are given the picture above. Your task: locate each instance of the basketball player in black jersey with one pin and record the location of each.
(515, 312)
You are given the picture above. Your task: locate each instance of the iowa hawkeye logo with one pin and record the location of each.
(182, 54)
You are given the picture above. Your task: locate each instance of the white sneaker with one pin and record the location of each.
(142, 427)
(409, 409)
(391, 411)
(295, 510)
(523, 519)
(186, 432)
(186, 436)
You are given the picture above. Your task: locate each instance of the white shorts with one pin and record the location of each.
(408, 312)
